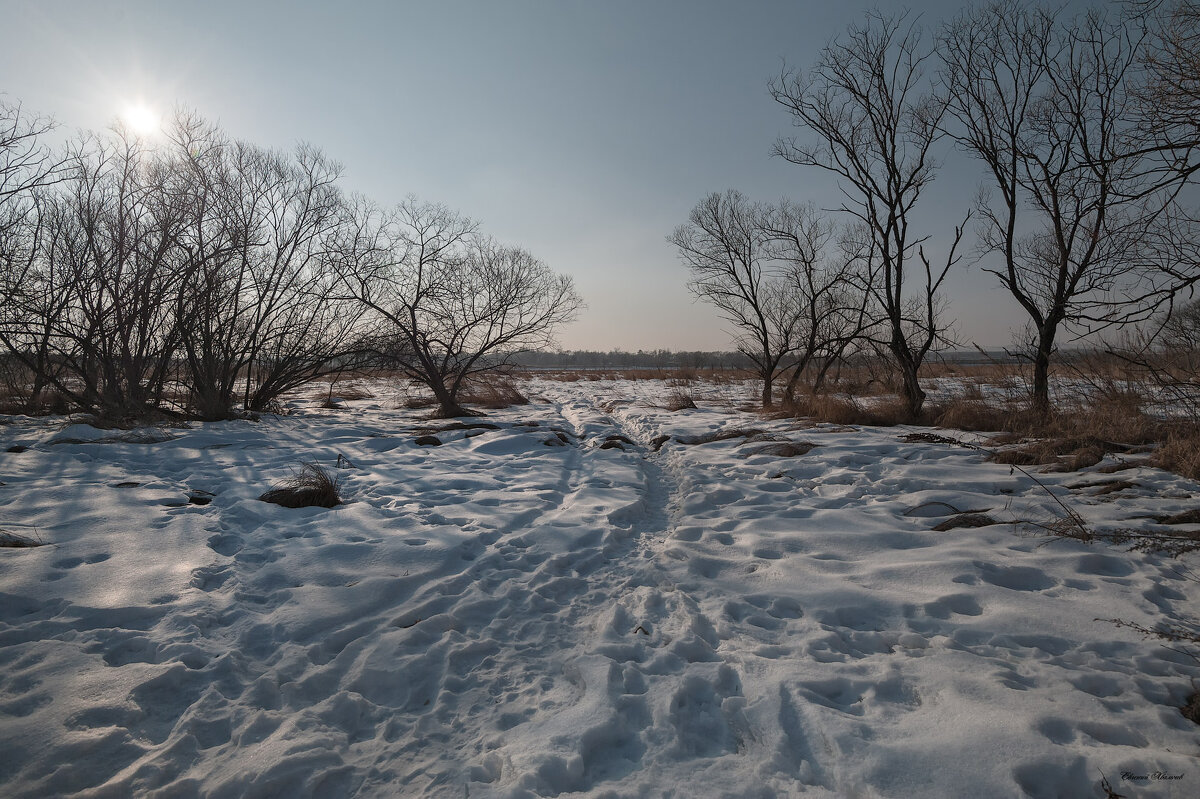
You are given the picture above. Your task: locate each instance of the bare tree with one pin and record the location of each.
(255, 306)
(766, 268)
(872, 120)
(25, 161)
(1169, 97)
(829, 293)
(451, 303)
(724, 246)
(98, 285)
(1049, 108)
(27, 166)
(1167, 111)
(197, 262)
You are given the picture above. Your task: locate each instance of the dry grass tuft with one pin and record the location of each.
(843, 410)
(780, 449)
(333, 398)
(965, 520)
(1180, 453)
(1191, 708)
(492, 392)
(11, 540)
(678, 400)
(309, 487)
(1059, 454)
(721, 435)
(973, 414)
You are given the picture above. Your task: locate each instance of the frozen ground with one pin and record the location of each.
(510, 615)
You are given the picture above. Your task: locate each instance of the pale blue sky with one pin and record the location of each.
(583, 131)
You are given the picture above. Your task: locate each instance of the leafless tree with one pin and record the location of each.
(27, 166)
(872, 118)
(724, 247)
(1049, 107)
(829, 291)
(767, 269)
(1169, 97)
(450, 302)
(256, 302)
(102, 276)
(196, 262)
(26, 162)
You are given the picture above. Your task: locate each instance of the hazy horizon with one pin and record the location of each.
(582, 132)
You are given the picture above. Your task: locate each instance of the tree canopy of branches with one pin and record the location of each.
(27, 165)
(871, 118)
(449, 303)
(1169, 98)
(197, 252)
(257, 290)
(765, 268)
(1051, 107)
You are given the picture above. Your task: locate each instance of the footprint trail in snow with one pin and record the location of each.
(567, 605)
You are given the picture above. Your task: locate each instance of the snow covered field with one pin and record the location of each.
(525, 612)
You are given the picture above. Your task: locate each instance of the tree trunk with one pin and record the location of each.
(448, 407)
(789, 391)
(1041, 376)
(910, 389)
(766, 393)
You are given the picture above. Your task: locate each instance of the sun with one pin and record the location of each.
(141, 119)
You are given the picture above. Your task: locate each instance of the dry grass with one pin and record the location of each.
(1180, 453)
(337, 394)
(309, 487)
(843, 410)
(492, 391)
(11, 540)
(972, 413)
(1079, 436)
(49, 401)
(683, 374)
(1109, 416)
(678, 400)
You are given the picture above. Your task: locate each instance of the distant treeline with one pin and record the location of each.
(619, 359)
(700, 359)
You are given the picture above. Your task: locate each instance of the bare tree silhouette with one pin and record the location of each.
(871, 118)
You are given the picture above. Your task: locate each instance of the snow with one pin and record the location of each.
(509, 615)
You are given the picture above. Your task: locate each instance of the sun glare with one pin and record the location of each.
(141, 119)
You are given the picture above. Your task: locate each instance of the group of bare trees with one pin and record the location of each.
(200, 275)
(795, 295)
(1086, 128)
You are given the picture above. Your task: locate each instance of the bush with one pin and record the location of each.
(492, 392)
(886, 412)
(678, 400)
(968, 413)
(1180, 453)
(309, 487)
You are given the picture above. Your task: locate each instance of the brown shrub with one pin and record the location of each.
(1180, 453)
(973, 414)
(340, 393)
(1061, 454)
(886, 412)
(678, 400)
(308, 487)
(13, 540)
(492, 391)
(49, 401)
